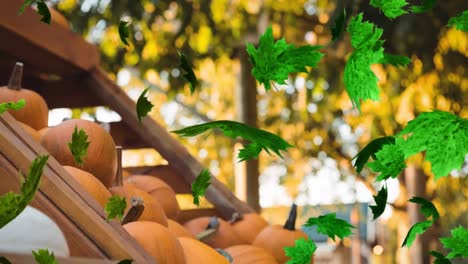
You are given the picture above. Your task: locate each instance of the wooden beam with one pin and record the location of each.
(29, 259)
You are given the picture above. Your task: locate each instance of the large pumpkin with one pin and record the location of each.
(101, 159)
(35, 113)
(158, 241)
(275, 238)
(91, 184)
(249, 226)
(196, 252)
(225, 237)
(159, 190)
(248, 254)
(178, 230)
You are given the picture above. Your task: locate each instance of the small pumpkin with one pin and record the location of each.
(225, 236)
(248, 254)
(159, 190)
(249, 226)
(35, 113)
(178, 230)
(157, 240)
(91, 184)
(31, 131)
(197, 252)
(275, 238)
(101, 159)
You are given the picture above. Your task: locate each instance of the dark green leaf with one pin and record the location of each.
(331, 226)
(424, 7)
(369, 151)
(390, 8)
(43, 256)
(440, 259)
(143, 106)
(302, 252)
(25, 4)
(340, 25)
(124, 32)
(43, 10)
(200, 185)
(4, 260)
(416, 229)
(390, 161)
(79, 146)
(458, 243)
(460, 22)
(395, 60)
(12, 106)
(380, 203)
(187, 72)
(427, 208)
(115, 207)
(258, 138)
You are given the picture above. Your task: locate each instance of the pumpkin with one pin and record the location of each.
(33, 230)
(196, 252)
(58, 18)
(31, 131)
(35, 113)
(178, 230)
(101, 159)
(225, 236)
(159, 190)
(157, 240)
(249, 226)
(42, 131)
(275, 238)
(91, 184)
(248, 254)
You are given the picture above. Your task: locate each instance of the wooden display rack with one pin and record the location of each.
(78, 81)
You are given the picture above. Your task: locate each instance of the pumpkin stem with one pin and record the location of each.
(236, 216)
(119, 178)
(16, 76)
(210, 230)
(225, 254)
(291, 221)
(135, 211)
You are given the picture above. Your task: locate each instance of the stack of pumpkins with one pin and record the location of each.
(247, 240)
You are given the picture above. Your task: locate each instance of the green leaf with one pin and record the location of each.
(260, 139)
(444, 137)
(4, 260)
(43, 256)
(390, 161)
(440, 259)
(43, 10)
(143, 106)
(427, 208)
(200, 185)
(460, 22)
(331, 226)
(380, 203)
(395, 60)
(79, 145)
(115, 207)
(25, 4)
(273, 62)
(124, 32)
(12, 204)
(360, 81)
(126, 261)
(458, 243)
(302, 252)
(12, 106)
(390, 8)
(416, 229)
(369, 151)
(187, 72)
(424, 7)
(340, 25)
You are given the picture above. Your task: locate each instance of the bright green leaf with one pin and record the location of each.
(380, 203)
(115, 207)
(273, 62)
(395, 60)
(458, 243)
(427, 208)
(187, 72)
(43, 256)
(124, 32)
(143, 106)
(424, 7)
(390, 161)
(340, 25)
(460, 22)
(331, 226)
(416, 229)
(12, 106)
(369, 151)
(260, 139)
(25, 4)
(390, 8)
(79, 146)
(200, 185)
(440, 259)
(302, 252)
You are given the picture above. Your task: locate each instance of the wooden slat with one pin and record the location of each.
(29, 259)
(165, 173)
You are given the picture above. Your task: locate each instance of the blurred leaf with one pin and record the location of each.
(301, 252)
(416, 229)
(199, 186)
(390, 8)
(79, 146)
(440, 259)
(124, 32)
(331, 226)
(43, 10)
(395, 60)
(4, 260)
(188, 73)
(380, 203)
(143, 106)
(373, 147)
(115, 207)
(43, 256)
(427, 208)
(458, 243)
(460, 22)
(12, 106)
(424, 7)
(339, 28)
(390, 162)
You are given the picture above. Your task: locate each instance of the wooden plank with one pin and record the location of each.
(172, 150)
(186, 215)
(61, 189)
(165, 173)
(29, 259)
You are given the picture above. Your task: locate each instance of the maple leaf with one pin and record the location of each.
(424, 7)
(115, 207)
(340, 25)
(427, 208)
(124, 32)
(390, 8)
(331, 226)
(416, 229)
(440, 259)
(369, 151)
(143, 106)
(43, 256)
(380, 203)
(460, 21)
(42, 9)
(12, 106)
(79, 146)
(390, 161)
(458, 243)
(200, 185)
(301, 252)
(395, 60)
(273, 62)
(188, 73)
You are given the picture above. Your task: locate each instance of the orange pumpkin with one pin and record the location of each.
(31, 131)
(178, 230)
(225, 237)
(101, 159)
(91, 184)
(158, 241)
(196, 252)
(159, 190)
(35, 113)
(248, 254)
(276, 237)
(42, 131)
(249, 227)
(58, 18)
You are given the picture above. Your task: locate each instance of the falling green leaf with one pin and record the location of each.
(43, 256)
(12, 204)
(390, 161)
(369, 151)
(124, 32)
(339, 27)
(200, 185)
(302, 252)
(424, 7)
(427, 208)
(458, 243)
(416, 229)
(259, 139)
(143, 106)
(380, 203)
(43, 10)
(440, 259)
(331, 226)
(395, 60)
(25, 4)
(79, 146)
(390, 8)
(187, 72)
(4, 260)
(273, 62)
(115, 207)
(460, 22)
(12, 106)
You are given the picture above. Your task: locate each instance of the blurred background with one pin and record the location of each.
(312, 112)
